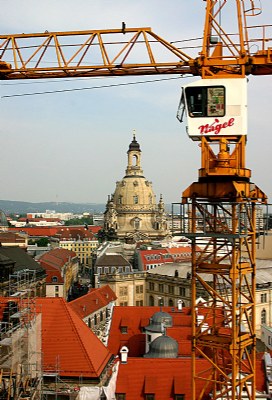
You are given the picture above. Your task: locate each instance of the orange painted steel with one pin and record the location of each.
(114, 53)
(222, 205)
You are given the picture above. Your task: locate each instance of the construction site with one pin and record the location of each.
(223, 212)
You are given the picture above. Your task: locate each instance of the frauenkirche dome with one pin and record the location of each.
(132, 210)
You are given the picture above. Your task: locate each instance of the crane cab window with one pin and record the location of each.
(204, 101)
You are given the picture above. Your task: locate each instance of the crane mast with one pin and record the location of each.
(220, 208)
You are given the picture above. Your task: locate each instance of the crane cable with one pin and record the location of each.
(90, 87)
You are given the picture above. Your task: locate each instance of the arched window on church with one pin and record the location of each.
(137, 223)
(135, 160)
(135, 199)
(120, 199)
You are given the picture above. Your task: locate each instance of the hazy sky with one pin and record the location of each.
(72, 146)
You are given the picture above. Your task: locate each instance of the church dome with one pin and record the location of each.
(158, 321)
(132, 211)
(163, 347)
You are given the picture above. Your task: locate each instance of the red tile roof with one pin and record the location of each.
(43, 231)
(51, 230)
(93, 301)
(163, 377)
(66, 338)
(136, 318)
(57, 257)
(68, 233)
(166, 378)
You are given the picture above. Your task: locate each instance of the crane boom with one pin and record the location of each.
(89, 53)
(131, 51)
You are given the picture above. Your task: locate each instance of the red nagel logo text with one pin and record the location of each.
(215, 127)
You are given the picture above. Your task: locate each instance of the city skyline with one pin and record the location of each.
(71, 146)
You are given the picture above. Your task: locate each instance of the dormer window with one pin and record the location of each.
(124, 329)
(54, 279)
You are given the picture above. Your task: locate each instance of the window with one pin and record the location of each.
(160, 301)
(269, 339)
(170, 289)
(151, 301)
(124, 329)
(106, 269)
(101, 316)
(151, 286)
(205, 101)
(263, 297)
(182, 291)
(120, 396)
(139, 289)
(179, 397)
(263, 316)
(123, 304)
(54, 279)
(171, 303)
(160, 287)
(89, 322)
(123, 291)
(135, 199)
(139, 303)
(150, 396)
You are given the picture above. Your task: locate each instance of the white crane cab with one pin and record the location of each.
(215, 107)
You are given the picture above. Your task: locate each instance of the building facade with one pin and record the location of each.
(132, 212)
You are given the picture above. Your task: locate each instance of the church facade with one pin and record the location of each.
(132, 211)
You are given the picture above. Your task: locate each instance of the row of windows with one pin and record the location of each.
(149, 396)
(112, 270)
(163, 288)
(123, 290)
(162, 302)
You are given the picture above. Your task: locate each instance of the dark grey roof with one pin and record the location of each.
(158, 321)
(134, 145)
(20, 257)
(163, 347)
(112, 260)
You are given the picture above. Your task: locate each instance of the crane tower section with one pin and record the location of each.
(220, 210)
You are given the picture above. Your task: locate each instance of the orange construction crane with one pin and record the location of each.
(221, 206)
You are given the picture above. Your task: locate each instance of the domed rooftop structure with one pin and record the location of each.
(163, 347)
(132, 210)
(159, 321)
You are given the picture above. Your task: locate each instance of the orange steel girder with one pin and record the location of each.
(89, 53)
(225, 268)
(221, 207)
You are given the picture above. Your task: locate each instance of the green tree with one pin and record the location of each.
(42, 242)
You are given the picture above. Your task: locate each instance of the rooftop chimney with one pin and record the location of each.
(124, 354)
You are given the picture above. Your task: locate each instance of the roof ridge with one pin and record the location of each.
(68, 310)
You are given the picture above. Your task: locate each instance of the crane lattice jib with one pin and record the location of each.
(133, 51)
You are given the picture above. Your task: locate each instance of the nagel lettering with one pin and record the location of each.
(215, 127)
